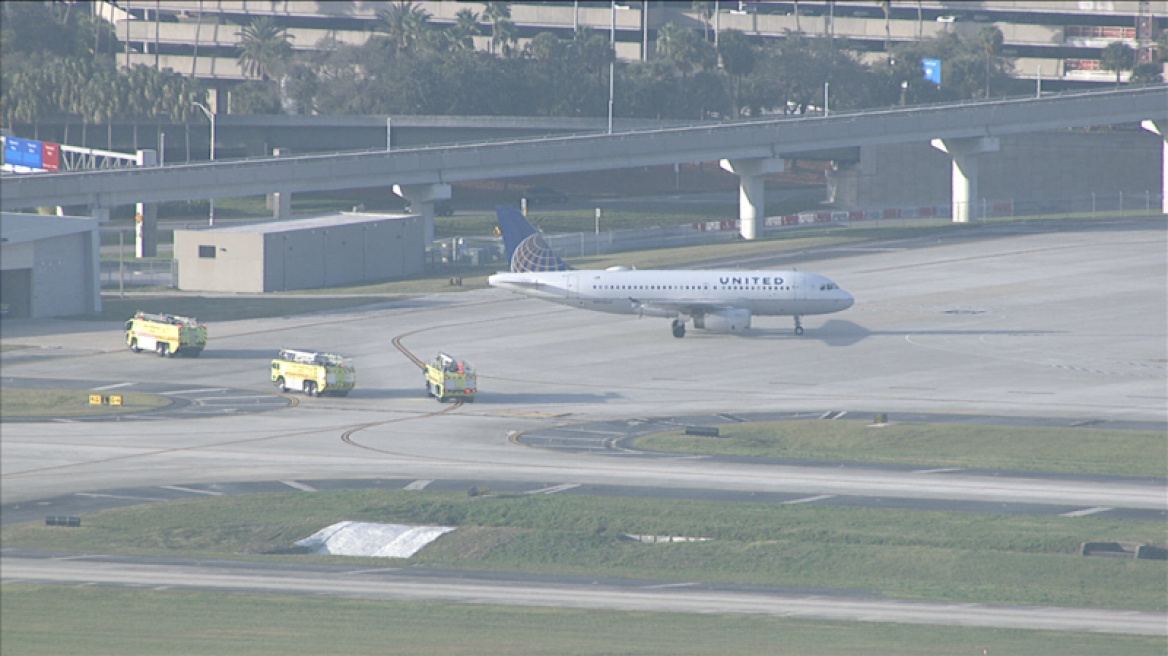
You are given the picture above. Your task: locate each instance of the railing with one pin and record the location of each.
(138, 273)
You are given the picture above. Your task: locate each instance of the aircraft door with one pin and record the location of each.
(798, 285)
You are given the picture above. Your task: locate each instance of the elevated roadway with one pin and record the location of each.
(750, 148)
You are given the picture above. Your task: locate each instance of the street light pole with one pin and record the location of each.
(210, 117)
(611, 64)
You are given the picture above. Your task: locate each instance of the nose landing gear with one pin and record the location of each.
(798, 325)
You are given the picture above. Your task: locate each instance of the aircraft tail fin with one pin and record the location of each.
(525, 248)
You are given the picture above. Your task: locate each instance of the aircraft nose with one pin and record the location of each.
(847, 301)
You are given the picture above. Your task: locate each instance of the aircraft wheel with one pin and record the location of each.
(798, 330)
(678, 329)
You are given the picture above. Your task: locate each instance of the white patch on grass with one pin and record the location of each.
(376, 540)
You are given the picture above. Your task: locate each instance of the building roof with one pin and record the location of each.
(308, 223)
(20, 227)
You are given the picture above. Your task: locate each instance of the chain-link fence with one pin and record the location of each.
(139, 273)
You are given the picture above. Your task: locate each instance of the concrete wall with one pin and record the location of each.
(236, 267)
(63, 272)
(308, 258)
(1037, 166)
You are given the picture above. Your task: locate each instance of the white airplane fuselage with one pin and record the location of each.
(683, 293)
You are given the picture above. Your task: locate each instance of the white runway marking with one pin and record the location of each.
(117, 496)
(553, 490)
(196, 391)
(115, 386)
(193, 491)
(1081, 513)
(418, 485)
(299, 486)
(810, 499)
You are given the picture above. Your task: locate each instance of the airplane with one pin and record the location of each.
(718, 301)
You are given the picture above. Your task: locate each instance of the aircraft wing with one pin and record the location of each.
(687, 307)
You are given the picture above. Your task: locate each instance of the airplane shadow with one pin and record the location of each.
(238, 354)
(840, 332)
(508, 398)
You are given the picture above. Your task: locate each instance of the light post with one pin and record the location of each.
(612, 62)
(210, 117)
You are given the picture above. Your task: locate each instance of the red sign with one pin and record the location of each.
(50, 156)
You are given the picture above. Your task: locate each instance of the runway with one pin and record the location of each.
(392, 584)
(1066, 324)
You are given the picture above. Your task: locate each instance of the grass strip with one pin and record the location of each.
(48, 621)
(906, 554)
(28, 403)
(1064, 450)
(227, 308)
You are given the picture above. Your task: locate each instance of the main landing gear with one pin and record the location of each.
(678, 328)
(798, 325)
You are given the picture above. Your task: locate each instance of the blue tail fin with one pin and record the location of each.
(525, 247)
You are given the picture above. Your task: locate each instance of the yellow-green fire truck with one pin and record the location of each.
(166, 334)
(313, 373)
(449, 378)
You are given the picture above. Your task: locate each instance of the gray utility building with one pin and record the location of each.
(306, 253)
(49, 265)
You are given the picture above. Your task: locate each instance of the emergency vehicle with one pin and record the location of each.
(166, 334)
(448, 378)
(313, 373)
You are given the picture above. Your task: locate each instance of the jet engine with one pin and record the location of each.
(724, 321)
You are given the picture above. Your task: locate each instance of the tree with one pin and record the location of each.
(683, 49)
(499, 15)
(464, 29)
(1118, 57)
(705, 11)
(1146, 73)
(263, 48)
(739, 57)
(404, 23)
(990, 40)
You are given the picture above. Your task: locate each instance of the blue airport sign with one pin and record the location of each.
(932, 70)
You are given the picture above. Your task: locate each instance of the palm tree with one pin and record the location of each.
(464, 29)
(738, 60)
(503, 35)
(990, 40)
(705, 10)
(404, 23)
(683, 49)
(264, 48)
(1118, 57)
(502, 29)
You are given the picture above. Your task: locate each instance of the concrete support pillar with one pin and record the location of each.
(752, 190)
(280, 202)
(146, 216)
(99, 215)
(1160, 127)
(421, 198)
(965, 154)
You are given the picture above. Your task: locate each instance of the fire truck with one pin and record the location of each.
(166, 334)
(313, 373)
(450, 378)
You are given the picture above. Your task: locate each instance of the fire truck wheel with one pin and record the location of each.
(310, 388)
(163, 350)
(280, 385)
(134, 345)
